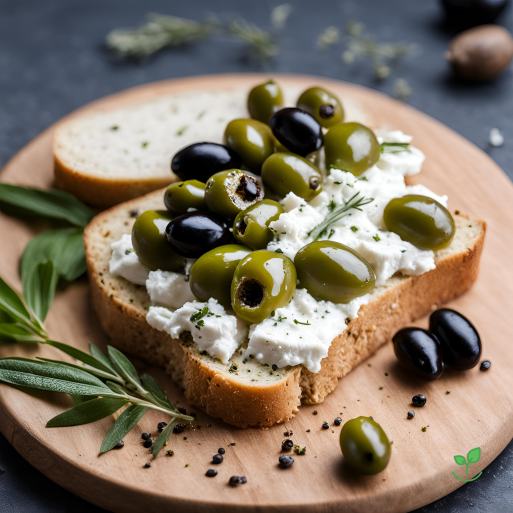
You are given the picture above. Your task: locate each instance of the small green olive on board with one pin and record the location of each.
(264, 100)
(351, 146)
(150, 243)
(420, 220)
(252, 140)
(229, 192)
(212, 274)
(182, 197)
(365, 445)
(251, 226)
(286, 172)
(324, 106)
(333, 272)
(262, 282)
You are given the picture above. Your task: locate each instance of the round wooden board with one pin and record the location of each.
(478, 412)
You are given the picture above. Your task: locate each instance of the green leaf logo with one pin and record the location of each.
(474, 455)
(460, 460)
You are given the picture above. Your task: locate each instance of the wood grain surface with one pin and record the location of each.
(478, 411)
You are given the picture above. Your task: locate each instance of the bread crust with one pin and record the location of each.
(263, 404)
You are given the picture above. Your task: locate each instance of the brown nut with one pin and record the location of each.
(481, 53)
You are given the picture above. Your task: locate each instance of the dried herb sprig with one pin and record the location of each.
(100, 385)
(261, 44)
(355, 202)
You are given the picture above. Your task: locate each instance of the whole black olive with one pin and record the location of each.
(193, 234)
(202, 160)
(419, 352)
(468, 13)
(459, 340)
(297, 130)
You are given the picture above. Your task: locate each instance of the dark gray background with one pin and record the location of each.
(52, 61)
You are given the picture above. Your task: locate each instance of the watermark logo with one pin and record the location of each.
(473, 456)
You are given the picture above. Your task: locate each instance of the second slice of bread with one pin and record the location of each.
(246, 393)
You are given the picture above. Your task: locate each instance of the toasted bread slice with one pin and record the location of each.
(249, 393)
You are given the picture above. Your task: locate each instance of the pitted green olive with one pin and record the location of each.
(324, 106)
(333, 272)
(252, 140)
(365, 445)
(263, 282)
(150, 244)
(212, 274)
(251, 226)
(230, 192)
(420, 220)
(351, 146)
(182, 197)
(286, 172)
(264, 100)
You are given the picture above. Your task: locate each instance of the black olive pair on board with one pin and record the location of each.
(451, 340)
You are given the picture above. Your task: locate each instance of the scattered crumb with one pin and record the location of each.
(496, 138)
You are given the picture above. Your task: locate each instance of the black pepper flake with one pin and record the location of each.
(170, 453)
(315, 412)
(145, 436)
(308, 431)
(179, 428)
(147, 465)
(233, 444)
(411, 414)
(182, 410)
(337, 421)
(193, 414)
(134, 213)
(217, 459)
(148, 443)
(237, 480)
(119, 445)
(287, 445)
(288, 433)
(285, 461)
(161, 426)
(485, 365)
(211, 472)
(419, 400)
(221, 450)
(325, 426)
(185, 438)
(448, 392)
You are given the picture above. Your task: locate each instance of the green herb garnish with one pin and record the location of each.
(300, 451)
(392, 147)
(376, 237)
(278, 251)
(353, 203)
(200, 314)
(180, 131)
(299, 322)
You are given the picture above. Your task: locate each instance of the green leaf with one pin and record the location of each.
(474, 455)
(11, 304)
(39, 295)
(81, 355)
(16, 333)
(116, 387)
(460, 460)
(79, 399)
(100, 356)
(51, 376)
(126, 421)
(151, 385)
(87, 412)
(52, 204)
(123, 366)
(162, 439)
(91, 370)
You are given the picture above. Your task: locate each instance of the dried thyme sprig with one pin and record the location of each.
(261, 45)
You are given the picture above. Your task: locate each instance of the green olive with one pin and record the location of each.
(251, 226)
(183, 197)
(351, 146)
(232, 191)
(324, 106)
(264, 100)
(287, 172)
(333, 272)
(365, 445)
(263, 282)
(420, 220)
(150, 243)
(252, 140)
(212, 274)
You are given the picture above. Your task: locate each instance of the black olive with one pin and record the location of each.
(221, 450)
(297, 130)
(418, 400)
(217, 459)
(162, 425)
(419, 352)
(459, 340)
(211, 472)
(285, 461)
(193, 234)
(468, 13)
(202, 160)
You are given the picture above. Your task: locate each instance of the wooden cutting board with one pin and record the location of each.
(478, 411)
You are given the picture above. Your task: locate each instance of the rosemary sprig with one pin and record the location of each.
(100, 385)
(394, 147)
(356, 202)
(261, 44)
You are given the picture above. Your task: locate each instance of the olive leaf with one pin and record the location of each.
(162, 439)
(100, 356)
(123, 366)
(87, 412)
(460, 460)
(151, 385)
(474, 455)
(39, 288)
(126, 421)
(51, 204)
(10, 332)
